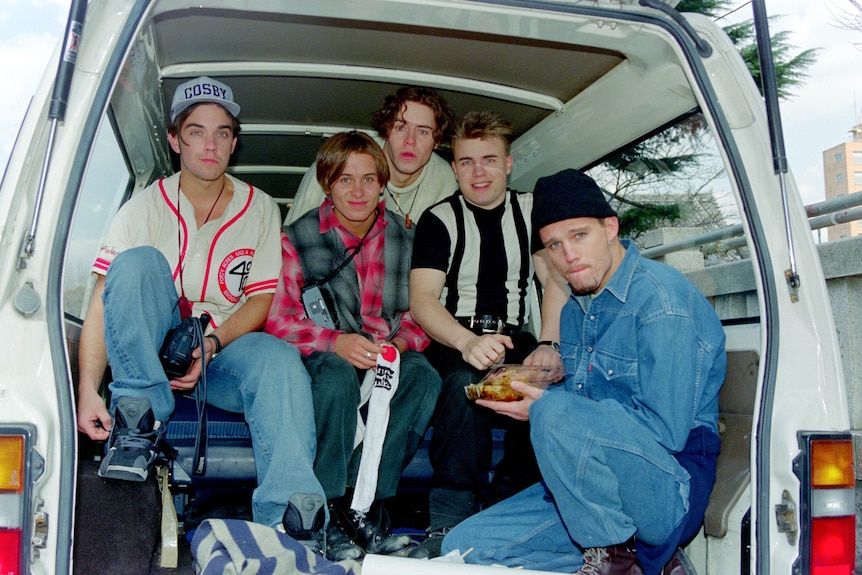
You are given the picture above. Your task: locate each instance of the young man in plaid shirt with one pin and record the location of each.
(359, 253)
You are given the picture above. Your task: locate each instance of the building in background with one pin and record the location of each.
(842, 173)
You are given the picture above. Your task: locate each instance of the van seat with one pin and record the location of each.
(736, 408)
(230, 458)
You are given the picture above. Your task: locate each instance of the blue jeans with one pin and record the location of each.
(604, 479)
(335, 388)
(258, 375)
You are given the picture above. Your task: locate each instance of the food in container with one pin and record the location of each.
(496, 385)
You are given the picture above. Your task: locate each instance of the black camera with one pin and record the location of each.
(180, 342)
(319, 306)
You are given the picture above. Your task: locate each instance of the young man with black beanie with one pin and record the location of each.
(627, 444)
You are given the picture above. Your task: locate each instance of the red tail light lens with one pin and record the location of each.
(14, 481)
(833, 545)
(10, 551)
(828, 518)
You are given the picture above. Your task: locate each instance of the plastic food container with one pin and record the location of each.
(496, 385)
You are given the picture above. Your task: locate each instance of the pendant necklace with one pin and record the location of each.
(407, 221)
(185, 306)
(218, 197)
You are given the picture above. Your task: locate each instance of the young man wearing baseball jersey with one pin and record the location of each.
(198, 241)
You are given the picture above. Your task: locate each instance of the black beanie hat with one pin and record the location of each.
(566, 195)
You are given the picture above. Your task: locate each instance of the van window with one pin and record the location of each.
(671, 186)
(106, 183)
(675, 201)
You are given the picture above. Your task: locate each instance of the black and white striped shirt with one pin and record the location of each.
(484, 253)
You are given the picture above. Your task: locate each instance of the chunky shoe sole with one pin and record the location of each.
(125, 473)
(133, 443)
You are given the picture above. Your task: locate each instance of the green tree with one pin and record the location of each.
(791, 67)
(673, 160)
(664, 181)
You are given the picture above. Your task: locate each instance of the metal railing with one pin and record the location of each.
(840, 210)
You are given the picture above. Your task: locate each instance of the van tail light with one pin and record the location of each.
(10, 551)
(15, 488)
(828, 520)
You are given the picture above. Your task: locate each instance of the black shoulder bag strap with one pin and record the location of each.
(199, 465)
(353, 251)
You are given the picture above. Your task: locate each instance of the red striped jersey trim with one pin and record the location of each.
(102, 264)
(268, 285)
(220, 232)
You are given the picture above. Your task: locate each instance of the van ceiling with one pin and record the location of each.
(299, 78)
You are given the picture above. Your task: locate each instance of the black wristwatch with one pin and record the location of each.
(553, 344)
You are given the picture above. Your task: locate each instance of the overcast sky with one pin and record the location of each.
(818, 116)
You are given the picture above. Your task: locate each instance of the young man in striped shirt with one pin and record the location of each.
(470, 284)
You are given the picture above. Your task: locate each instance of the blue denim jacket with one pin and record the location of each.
(650, 341)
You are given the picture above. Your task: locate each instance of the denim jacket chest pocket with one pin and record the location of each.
(612, 376)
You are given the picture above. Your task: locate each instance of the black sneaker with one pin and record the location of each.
(304, 519)
(374, 532)
(134, 441)
(341, 535)
(340, 545)
(370, 530)
(431, 545)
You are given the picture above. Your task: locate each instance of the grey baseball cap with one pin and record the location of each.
(200, 90)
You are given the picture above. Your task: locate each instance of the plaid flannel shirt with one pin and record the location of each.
(287, 318)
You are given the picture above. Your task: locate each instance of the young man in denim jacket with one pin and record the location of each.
(627, 445)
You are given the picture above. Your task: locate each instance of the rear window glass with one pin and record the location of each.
(675, 201)
(106, 183)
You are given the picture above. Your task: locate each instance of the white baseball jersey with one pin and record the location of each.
(226, 261)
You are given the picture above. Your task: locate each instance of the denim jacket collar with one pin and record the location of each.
(620, 283)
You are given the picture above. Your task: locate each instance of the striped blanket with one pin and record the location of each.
(234, 547)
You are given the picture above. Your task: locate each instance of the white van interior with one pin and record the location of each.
(614, 88)
(579, 91)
